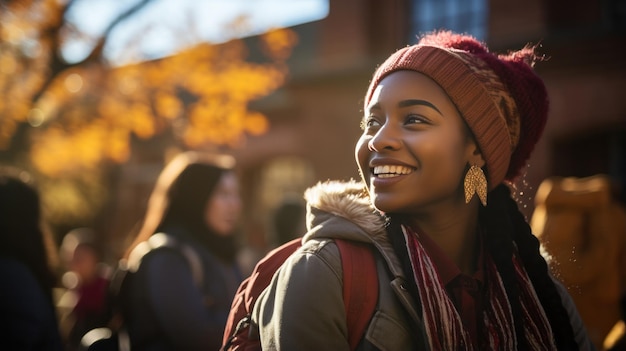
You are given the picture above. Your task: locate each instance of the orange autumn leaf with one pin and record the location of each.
(256, 123)
(168, 105)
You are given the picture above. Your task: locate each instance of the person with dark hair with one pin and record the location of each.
(180, 297)
(28, 319)
(447, 128)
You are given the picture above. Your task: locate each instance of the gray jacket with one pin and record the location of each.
(302, 308)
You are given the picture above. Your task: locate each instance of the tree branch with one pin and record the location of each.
(58, 65)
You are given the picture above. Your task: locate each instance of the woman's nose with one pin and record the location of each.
(387, 138)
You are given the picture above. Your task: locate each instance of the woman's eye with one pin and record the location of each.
(369, 122)
(416, 119)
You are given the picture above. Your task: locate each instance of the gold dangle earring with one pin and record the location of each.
(475, 182)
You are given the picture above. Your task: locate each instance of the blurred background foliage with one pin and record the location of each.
(73, 123)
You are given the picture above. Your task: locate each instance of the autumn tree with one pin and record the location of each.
(82, 113)
(68, 118)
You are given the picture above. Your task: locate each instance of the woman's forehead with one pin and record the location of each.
(408, 85)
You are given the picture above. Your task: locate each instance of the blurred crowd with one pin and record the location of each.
(185, 269)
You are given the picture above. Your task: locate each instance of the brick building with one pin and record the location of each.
(315, 116)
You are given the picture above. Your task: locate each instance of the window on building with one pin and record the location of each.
(284, 177)
(465, 16)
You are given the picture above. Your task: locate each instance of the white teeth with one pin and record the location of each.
(391, 171)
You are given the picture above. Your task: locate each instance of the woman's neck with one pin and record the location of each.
(454, 231)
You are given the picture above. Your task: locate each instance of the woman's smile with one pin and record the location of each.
(391, 171)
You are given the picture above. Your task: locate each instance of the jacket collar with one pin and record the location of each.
(343, 210)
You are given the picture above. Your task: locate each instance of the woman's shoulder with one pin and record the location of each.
(313, 258)
(322, 248)
(13, 267)
(21, 291)
(158, 247)
(17, 276)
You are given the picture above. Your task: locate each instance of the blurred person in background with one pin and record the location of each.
(86, 281)
(182, 293)
(582, 227)
(289, 221)
(28, 319)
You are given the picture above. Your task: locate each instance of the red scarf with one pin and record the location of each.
(443, 324)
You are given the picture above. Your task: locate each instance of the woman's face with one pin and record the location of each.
(224, 207)
(414, 148)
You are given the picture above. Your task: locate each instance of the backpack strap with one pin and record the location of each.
(240, 316)
(115, 336)
(265, 269)
(360, 287)
(160, 240)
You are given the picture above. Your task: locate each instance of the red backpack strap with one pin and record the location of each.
(265, 269)
(239, 317)
(360, 287)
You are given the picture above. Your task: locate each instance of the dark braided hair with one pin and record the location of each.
(505, 231)
(501, 217)
(497, 229)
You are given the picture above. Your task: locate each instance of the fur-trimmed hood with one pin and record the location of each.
(343, 210)
(347, 200)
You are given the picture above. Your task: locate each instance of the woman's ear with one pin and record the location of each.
(476, 156)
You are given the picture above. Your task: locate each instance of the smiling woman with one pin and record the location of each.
(444, 120)
(429, 130)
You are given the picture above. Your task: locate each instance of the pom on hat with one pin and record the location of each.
(502, 100)
(531, 97)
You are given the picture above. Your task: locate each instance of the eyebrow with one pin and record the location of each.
(413, 102)
(409, 103)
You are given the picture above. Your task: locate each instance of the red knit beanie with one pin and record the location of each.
(501, 98)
